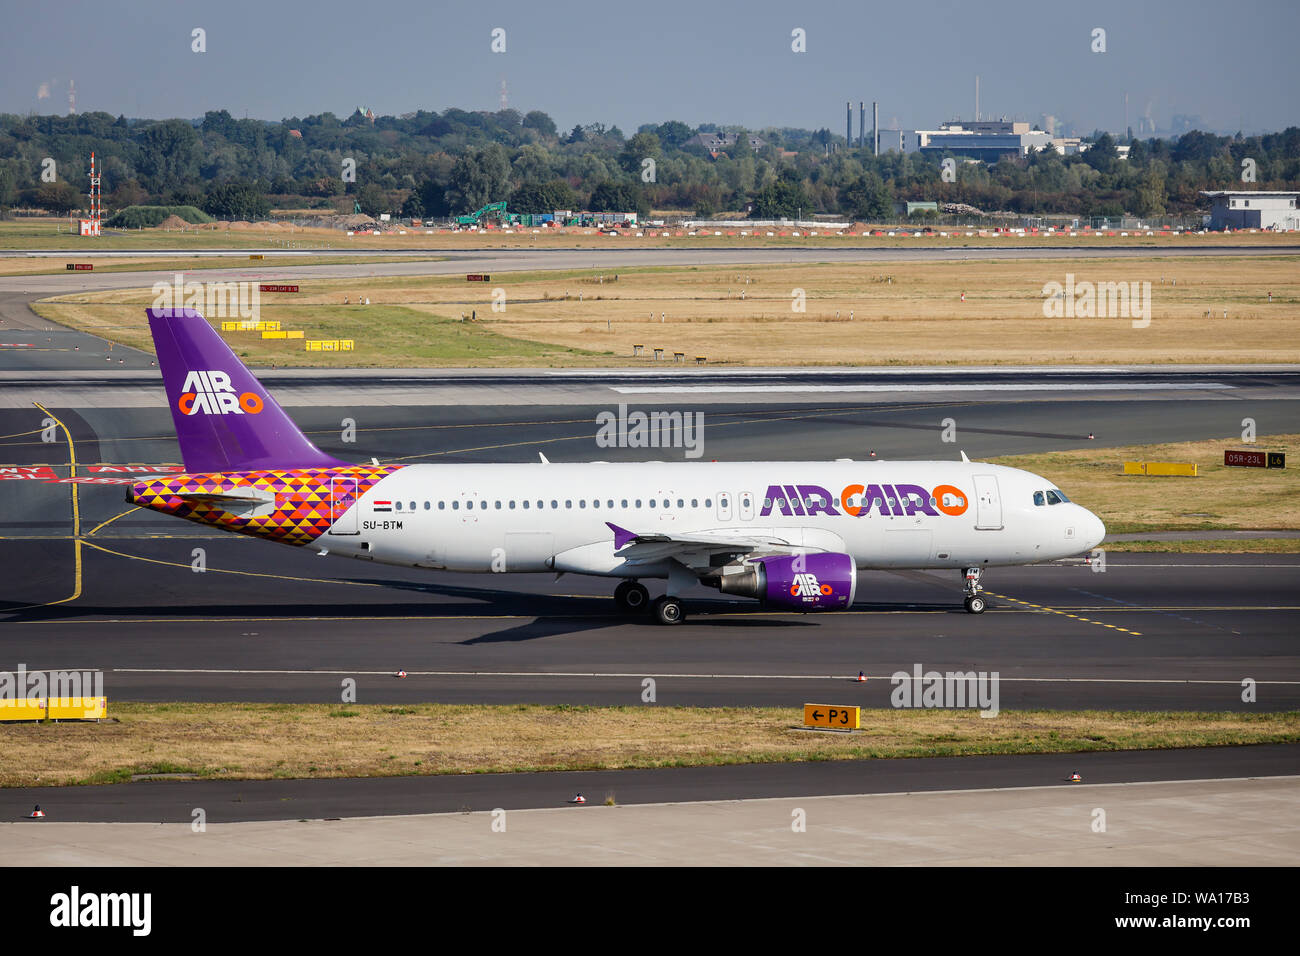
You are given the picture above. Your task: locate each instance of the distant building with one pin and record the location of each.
(1254, 209)
(987, 140)
(717, 142)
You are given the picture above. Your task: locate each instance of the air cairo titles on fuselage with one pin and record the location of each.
(896, 500)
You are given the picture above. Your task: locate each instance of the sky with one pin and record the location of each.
(628, 62)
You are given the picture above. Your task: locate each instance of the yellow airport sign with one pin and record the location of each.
(55, 708)
(834, 716)
(328, 345)
(1163, 469)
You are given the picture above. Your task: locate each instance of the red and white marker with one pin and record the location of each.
(578, 798)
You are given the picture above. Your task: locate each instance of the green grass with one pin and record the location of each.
(248, 740)
(384, 336)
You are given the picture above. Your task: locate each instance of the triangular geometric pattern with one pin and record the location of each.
(304, 508)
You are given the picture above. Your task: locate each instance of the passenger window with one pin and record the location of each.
(695, 502)
(582, 502)
(624, 503)
(525, 504)
(512, 505)
(498, 506)
(399, 505)
(482, 505)
(568, 503)
(708, 502)
(609, 503)
(455, 506)
(638, 502)
(595, 502)
(652, 502)
(1039, 500)
(554, 503)
(442, 506)
(412, 505)
(426, 506)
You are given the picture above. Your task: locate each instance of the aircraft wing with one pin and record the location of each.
(692, 549)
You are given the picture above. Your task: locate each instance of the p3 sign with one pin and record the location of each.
(210, 393)
(833, 716)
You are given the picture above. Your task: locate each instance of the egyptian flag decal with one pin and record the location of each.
(383, 505)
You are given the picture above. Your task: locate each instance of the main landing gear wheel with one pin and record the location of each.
(975, 605)
(669, 610)
(631, 597)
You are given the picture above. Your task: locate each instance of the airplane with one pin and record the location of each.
(791, 534)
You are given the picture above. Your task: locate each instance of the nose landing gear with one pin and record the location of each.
(973, 603)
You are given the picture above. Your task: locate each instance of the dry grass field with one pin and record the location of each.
(248, 741)
(865, 314)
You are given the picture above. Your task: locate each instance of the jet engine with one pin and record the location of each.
(795, 582)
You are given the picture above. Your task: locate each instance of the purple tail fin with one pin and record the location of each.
(225, 420)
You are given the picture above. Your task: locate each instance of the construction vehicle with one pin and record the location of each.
(493, 212)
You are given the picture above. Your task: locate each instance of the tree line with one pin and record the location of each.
(430, 164)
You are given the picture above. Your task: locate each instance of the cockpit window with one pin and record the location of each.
(1060, 494)
(1054, 497)
(1038, 498)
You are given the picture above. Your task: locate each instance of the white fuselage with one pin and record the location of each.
(539, 517)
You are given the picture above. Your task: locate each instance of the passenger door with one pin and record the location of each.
(724, 506)
(746, 506)
(988, 504)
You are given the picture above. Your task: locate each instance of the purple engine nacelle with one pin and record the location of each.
(809, 582)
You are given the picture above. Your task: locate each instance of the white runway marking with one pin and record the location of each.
(949, 387)
(637, 675)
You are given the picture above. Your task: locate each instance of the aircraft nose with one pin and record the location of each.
(1094, 530)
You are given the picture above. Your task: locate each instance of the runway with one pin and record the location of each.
(92, 585)
(268, 622)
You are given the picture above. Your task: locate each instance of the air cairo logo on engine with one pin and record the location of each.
(210, 392)
(807, 586)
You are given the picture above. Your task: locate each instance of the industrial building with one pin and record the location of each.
(987, 140)
(1253, 209)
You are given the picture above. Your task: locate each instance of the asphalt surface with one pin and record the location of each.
(245, 800)
(269, 622)
(266, 622)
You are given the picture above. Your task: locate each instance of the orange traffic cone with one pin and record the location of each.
(401, 673)
(578, 798)
(1075, 778)
(36, 814)
(862, 678)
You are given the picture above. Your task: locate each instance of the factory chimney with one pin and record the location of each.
(875, 127)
